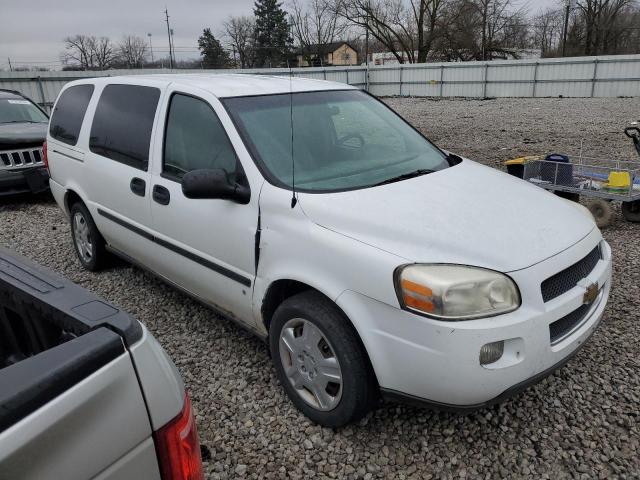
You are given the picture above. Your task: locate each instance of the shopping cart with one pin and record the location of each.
(602, 180)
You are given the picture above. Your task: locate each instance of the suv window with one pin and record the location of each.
(68, 115)
(123, 122)
(196, 139)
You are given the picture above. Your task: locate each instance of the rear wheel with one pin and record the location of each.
(631, 211)
(320, 361)
(88, 243)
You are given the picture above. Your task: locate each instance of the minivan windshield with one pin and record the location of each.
(17, 110)
(342, 140)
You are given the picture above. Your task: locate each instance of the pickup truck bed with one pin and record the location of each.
(84, 387)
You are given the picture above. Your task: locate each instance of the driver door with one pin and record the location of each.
(206, 246)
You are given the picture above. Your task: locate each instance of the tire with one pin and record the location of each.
(631, 211)
(87, 240)
(321, 338)
(601, 211)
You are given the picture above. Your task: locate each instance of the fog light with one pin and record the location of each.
(491, 352)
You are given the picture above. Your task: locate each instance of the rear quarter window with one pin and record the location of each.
(67, 117)
(122, 124)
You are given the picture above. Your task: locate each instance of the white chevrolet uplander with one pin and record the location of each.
(374, 263)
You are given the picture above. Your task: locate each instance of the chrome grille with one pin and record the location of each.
(568, 278)
(20, 158)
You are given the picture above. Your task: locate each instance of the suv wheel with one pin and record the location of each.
(319, 360)
(87, 240)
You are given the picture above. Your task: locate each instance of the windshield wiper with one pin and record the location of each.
(405, 176)
(21, 121)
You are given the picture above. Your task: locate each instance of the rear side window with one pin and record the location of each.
(123, 122)
(67, 117)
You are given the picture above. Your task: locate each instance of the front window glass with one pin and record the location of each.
(20, 110)
(195, 139)
(341, 140)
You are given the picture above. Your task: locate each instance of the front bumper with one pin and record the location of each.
(430, 361)
(23, 180)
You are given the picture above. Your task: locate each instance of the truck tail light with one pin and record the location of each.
(45, 159)
(178, 447)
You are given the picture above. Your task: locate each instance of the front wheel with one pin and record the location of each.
(320, 361)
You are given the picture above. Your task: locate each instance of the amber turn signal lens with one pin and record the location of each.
(416, 288)
(417, 296)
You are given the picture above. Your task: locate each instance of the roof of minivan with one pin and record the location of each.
(232, 85)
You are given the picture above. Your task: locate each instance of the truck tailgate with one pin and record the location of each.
(70, 401)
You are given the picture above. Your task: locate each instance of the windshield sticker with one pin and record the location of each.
(20, 102)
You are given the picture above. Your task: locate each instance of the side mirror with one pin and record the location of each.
(213, 184)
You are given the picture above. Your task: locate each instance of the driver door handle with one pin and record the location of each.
(161, 195)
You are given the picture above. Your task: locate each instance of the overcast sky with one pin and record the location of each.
(32, 30)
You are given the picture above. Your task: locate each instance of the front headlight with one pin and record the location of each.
(455, 292)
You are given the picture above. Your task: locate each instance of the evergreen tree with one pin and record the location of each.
(213, 55)
(272, 33)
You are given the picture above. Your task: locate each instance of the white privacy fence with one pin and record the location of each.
(607, 76)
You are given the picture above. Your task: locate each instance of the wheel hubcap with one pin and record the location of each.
(82, 237)
(310, 364)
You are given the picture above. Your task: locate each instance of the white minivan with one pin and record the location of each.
(373, 263)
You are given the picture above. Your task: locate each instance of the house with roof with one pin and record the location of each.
(334, 53)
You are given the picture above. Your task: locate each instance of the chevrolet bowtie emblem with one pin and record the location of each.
(590, 294)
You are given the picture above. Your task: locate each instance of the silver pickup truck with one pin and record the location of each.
(85, 389)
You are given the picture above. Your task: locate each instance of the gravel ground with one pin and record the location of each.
(582, 422)
(491, 131)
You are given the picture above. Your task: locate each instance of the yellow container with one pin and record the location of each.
(619, 180)
(522, 160)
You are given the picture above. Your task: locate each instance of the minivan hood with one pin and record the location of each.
(468, 214)
(22, 134)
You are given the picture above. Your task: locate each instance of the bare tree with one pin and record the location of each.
(483, 30)
(408, 30)
(132, 51)
(89, 52)
(602, 21)
(241, 34)
(103, 51)
(314, 25)
(79, 50)
(604, 27)
(547, 30)
(497, 20)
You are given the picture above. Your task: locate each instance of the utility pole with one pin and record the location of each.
(150, 46)
(566, 27)
(10, 67)
(366, 40)
(166, 12)
(173, 48)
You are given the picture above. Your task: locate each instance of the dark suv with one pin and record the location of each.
(23, 129)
